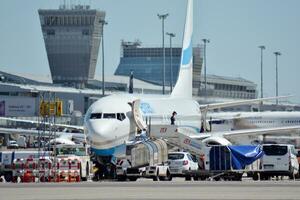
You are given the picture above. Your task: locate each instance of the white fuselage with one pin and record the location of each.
(108, 133)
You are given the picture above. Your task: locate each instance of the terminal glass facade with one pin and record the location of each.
(147, 63)
(72, 37)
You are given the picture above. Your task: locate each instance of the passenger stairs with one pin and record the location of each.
(177, 137)
(172, 134)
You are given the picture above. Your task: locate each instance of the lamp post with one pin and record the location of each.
(262, 48)
(205, 41)
(163, 17)
(171, 67)
(103, 22)
(277, 53)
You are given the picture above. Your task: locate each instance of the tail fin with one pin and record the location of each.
(184, 84)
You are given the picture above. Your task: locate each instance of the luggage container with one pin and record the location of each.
(228, 162)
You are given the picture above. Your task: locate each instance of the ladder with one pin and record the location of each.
(172, 134)
(177, 137)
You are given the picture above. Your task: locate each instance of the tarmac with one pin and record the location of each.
(148, 190)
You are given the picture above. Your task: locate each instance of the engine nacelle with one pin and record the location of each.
(216, 141)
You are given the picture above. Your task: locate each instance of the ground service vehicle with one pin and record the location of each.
(12, 144)
(144, 159)
(7, 158)
(279, 160)
(78, 152)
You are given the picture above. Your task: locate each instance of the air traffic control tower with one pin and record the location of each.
(72, 37)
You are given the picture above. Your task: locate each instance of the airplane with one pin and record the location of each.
(60, 137)
(68, 128)
(221, 121)
(110, 122)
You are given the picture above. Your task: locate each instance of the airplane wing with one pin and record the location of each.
(213, 106)
(36, 122)
(248, 132)
(39, 133)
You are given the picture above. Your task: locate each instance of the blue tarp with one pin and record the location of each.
(244, 155)
(233, 157)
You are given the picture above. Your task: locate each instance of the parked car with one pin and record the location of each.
(12, 144)
(179, 162)
(35, 144)
(279, 160)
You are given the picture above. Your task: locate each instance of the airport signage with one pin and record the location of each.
(51, 108)
(17, 106)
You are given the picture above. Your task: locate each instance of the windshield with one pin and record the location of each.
(78, 151)
(275, 150)
(175, 156)
(109, 115)
(96, 116)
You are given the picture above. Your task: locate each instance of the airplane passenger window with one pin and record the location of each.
(96, 116)
(109, 115)
(120, 116)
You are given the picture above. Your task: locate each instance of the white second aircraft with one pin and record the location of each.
(109, 122)
(247, 120)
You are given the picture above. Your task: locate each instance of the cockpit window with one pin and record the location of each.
(109, 115)
(121, 116)
(96, 116)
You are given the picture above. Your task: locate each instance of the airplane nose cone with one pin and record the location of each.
(99, 130)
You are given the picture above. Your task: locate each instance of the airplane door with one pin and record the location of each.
(137, 115)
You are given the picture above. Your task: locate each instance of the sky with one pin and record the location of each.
(235, 28)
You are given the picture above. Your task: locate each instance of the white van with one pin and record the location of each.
(279, 160)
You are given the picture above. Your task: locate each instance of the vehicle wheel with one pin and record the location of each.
(132, 178)
(8, 177)
(202, 178)
(262, 177)
(291, 176)
(238, 177)
(169, 176)
(188, 178)
(265, 177)
(255, 176)
(121, 178)
(155, 178)
(87, 172)
(217, 178)
(196, 178)
(80, 172)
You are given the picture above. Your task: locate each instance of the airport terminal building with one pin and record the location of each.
(72, 37)
(20, 94)
(147, 62)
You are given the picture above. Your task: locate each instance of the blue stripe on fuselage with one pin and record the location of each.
(120, 149)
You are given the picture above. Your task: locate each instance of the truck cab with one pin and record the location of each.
(79, 152)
